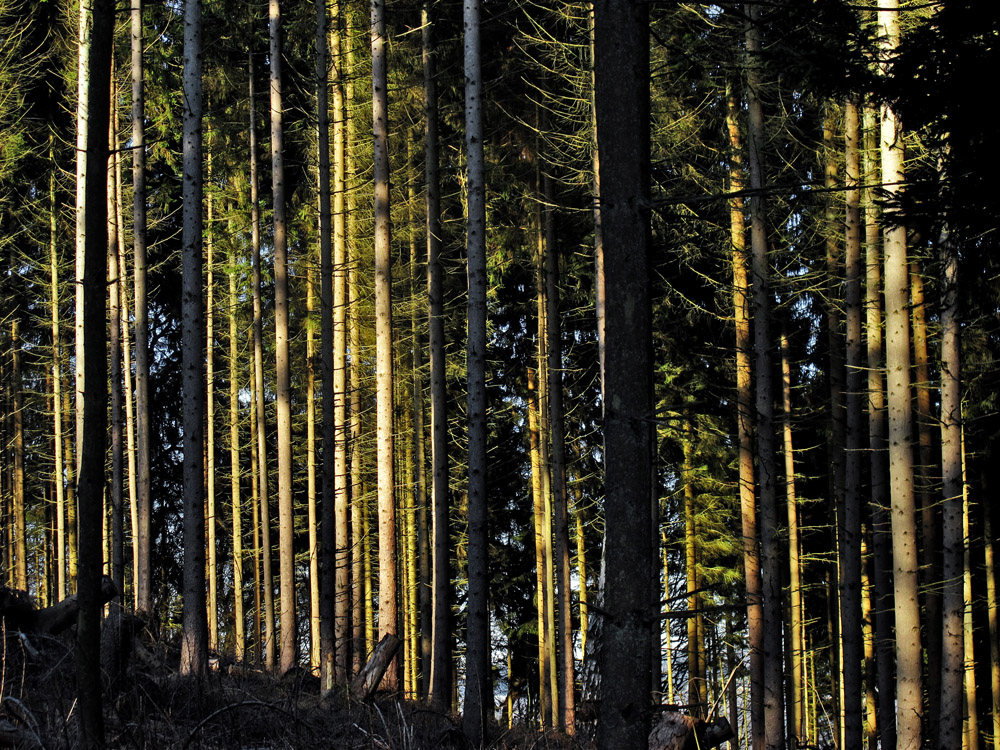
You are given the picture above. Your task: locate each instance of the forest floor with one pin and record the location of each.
(153, 706)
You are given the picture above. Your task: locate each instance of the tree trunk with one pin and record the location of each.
(795, 624)
(954, 531)
(267, 582)
(117, 489)
(57, 397)
(143, 569)
(440, 662)
(212, 569)
(283, 395)
(342, 542)
(383, 340)
(327, 540)
(877, 430)
(850, 530)
(541, 578)
(567, 680)
(96, 38)
(194, 641)
(909, 656)
(478, 685)
(771, 734)
(621, 72)
(744, 409)
(239, 636)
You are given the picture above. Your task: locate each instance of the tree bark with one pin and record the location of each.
(383, 339)
(97, 30)
(909, 656)
(194, 641)
(850, 530)
(143, 569)
(478, 685)
(621, 73)
(440, 662)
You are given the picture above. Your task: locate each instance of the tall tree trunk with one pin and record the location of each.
(772, 735)
(744, 420)
(239, 635)
(57, 397)
(143, 569)
(383, 340)
(877, 434)
(478, 685)
(795, 624)
(283, 395)
(621, 73)
(993, 621)
(835, 379)
(117, 489)
(311, 499)
(342, 541)
(695, 648)
(96, 38)
(954, 531)
(210, 520)
(194, 642)
(849, 533)
(567, 717)
(327, 542)
(258, 366)
(909, 655)
(17, 470)
(545, 666)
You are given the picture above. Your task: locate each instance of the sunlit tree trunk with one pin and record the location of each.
(327, 537)
(877, 430)
(992, 611)
(954, 528)
(239, 635)
(744, 408)
(255, 515)
(909, 653)
(695, 652)
(210, 506)
(143, 570)
(541, 600)
(194, 641)
(57, 396)
(383, 341)
(478, 684)
(567, 672)
(283, 395)
(795, 625)
(440, 663)
(773, 728)
(849, 533)
(17, 470)
(341, 480)
(311, 509)
(117, 489)
(267, 582)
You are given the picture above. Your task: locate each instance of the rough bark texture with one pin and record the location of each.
(909, 656)
(383, 340)
(194, 642)
(478, 685)
(621, 71)
(97, 33)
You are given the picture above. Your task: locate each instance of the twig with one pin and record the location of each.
(725, 687)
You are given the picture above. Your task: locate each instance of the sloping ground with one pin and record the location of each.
(154, 707)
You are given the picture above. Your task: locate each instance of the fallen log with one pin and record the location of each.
(367, 681)
(19, 613)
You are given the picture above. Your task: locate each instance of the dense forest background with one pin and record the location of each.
(820, 259)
